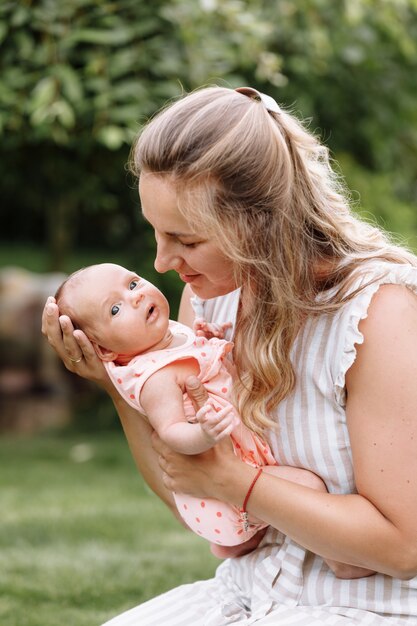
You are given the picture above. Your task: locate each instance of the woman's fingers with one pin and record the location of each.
(196, 392)
(45, 315)
(157, 442)
(59, 332)
(72, 349)
(85, 345)
(165, 461)
(72, 346)
(87, 363)
(50, 324)
(195, 474)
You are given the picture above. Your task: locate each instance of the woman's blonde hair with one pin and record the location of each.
(262, 187)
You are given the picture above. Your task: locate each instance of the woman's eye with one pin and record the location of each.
(133, 284)
(190, 245)
(115, 309)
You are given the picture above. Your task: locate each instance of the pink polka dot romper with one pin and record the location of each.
(216, 521)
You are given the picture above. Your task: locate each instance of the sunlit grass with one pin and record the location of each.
(81, 537)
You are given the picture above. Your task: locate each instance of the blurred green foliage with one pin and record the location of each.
(78, 79)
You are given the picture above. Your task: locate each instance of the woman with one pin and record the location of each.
(247, 210)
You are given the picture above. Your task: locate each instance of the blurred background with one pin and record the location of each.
(77, 81)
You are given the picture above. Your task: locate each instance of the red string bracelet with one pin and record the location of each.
(243, 511)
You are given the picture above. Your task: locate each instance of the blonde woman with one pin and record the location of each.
(246, 208)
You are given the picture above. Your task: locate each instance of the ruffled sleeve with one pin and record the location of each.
(348, 318)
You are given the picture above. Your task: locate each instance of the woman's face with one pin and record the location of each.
(198, 260)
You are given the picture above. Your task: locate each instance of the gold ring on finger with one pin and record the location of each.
(76, 360)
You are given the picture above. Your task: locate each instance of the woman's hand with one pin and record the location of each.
(200, 475)
(72, 346)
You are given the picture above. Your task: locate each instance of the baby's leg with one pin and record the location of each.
(230, 552)
(296, 475)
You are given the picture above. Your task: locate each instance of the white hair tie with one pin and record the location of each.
(268, 102)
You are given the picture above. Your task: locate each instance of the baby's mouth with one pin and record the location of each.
(150, 311)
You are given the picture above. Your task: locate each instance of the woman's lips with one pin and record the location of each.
(188, 278)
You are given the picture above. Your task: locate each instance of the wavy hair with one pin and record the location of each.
(262, 186)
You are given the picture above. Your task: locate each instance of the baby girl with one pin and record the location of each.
(148, 358)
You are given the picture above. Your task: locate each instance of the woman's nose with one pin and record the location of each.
(166, 259)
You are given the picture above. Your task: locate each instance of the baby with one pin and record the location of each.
(148, 358)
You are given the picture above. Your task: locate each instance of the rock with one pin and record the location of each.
(35, 388)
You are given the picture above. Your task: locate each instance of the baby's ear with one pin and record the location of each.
(104, 354)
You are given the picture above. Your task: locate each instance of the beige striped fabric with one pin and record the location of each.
(280, 583)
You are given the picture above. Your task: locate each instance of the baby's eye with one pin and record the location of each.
(115, 309)
(133, 284)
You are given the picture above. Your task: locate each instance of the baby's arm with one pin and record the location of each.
(210, 329)
(162, 400)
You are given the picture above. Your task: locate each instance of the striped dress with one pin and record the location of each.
(281, 583)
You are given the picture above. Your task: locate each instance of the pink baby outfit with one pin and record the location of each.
(216, 521)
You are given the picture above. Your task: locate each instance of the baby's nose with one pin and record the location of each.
(137, 297)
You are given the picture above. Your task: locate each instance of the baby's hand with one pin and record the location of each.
(209, 329)
(216, 425)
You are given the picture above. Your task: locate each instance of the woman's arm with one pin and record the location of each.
(69, 343)
(375, 528)
(138, 433)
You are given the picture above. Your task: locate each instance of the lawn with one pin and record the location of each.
(81, 537)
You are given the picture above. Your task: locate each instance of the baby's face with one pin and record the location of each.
(122, 312)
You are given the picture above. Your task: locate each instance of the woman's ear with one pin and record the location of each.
(103, 353)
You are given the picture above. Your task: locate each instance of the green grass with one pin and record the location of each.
(81, 537)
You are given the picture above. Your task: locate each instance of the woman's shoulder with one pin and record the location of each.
(369, 280)
(394, 285)
(392, 307)
(379, 272)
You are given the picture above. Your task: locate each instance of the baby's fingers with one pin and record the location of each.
(220, 424)
(209, 415)
(223, 430)
(201, 413)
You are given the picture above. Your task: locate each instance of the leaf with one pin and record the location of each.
(70, 82)
(20, 17)
(113, 137)
(43, 93)
(58, 111)
(115, 37)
